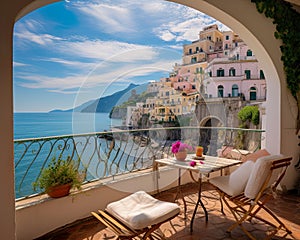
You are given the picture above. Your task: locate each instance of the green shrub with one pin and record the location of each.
(249, 113)
(59, 172)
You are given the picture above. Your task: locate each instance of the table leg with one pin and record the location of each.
(199, 201)
(179, 192)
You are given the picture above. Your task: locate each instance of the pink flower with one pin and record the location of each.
(179, 147)
(193, 163)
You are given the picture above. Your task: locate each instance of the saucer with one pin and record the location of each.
(198, 158)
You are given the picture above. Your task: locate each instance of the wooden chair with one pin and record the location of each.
(264, 178)
(137, 215)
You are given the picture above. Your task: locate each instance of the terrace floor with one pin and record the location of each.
(287, 208)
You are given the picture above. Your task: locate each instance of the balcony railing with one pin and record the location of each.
(110, 154)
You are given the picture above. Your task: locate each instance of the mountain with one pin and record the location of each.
(76, 109)
(105, 104)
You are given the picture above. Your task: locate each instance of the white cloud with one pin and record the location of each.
(19, 64)
(30, 31)
(105, 50)
(110, 17)
(100, 76)
(41, 39)
(73, 64)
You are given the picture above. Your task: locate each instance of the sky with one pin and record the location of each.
(70, 52)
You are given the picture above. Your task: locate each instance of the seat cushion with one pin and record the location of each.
(259, 174)
(235, 183)
(140, 210)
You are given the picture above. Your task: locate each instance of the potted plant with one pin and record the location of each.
(180, 150)
(59, 177)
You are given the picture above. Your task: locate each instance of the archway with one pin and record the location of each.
(235, 90)
(252, 93)
(208, 136)
(252, 33)
(241, 16)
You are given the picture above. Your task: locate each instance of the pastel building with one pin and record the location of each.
(234, 75)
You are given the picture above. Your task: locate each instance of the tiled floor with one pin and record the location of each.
(287, 208)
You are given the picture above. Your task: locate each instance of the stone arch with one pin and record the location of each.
(208, 136)
(211, 121)
(258, 33)
(241, 22)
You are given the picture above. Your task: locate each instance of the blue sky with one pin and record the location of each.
(70, 52)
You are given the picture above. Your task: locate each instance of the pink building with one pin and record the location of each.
(237, 74)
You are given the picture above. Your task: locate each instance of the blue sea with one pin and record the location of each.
(35, 125)
(38, 125)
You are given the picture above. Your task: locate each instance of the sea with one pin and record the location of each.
(37, 125)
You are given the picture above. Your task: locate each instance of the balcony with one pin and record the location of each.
(179, 227)
(117, 163)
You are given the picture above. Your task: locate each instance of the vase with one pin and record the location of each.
(59, 190)
(181, 156)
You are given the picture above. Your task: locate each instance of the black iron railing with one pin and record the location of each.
(109, 154)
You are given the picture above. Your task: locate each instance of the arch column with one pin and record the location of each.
(7, 206)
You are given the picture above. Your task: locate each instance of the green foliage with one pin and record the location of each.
(249, 113)
(59, 172)
(287, 22)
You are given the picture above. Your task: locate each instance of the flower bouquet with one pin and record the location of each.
(180, 150)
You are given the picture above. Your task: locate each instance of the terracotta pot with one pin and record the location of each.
(181, 156)
(59, 191)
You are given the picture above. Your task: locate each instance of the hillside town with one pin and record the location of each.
(218, 75)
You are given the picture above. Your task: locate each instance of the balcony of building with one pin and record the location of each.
(114, 172)
(285, 206)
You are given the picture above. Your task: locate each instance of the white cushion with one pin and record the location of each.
(140, 210)
(259, 174)
(235, 183)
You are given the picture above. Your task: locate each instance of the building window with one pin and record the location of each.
(248, 74)
(220, 72)
(249, 53)
(252, 93)
(261, 74)
(227, 37)
(190, 51)
(220, 91)
(197, 49)
(226, 46)
(235, 90)
(194, 60)
(231, 72)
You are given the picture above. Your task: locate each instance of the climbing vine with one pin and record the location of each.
(287, 22)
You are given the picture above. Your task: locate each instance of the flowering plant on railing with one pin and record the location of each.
(178, 146)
